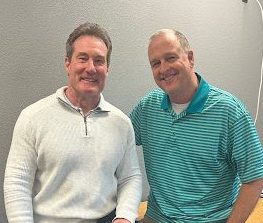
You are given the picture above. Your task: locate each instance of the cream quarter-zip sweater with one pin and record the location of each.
(66, 167)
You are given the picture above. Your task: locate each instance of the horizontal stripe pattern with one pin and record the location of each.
(195, 160)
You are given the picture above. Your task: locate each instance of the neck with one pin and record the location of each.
(86, 103)
(186, 94)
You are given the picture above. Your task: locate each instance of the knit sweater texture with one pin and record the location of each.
(67, 167)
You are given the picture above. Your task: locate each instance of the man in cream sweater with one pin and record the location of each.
(72, 157)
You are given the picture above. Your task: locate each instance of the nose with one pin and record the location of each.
(90, 67)
(163, 67)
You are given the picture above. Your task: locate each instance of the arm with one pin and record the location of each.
(121, 220)
(247, 157)
(19, 175)
(129, 184)
(246, 201)
(135, 117)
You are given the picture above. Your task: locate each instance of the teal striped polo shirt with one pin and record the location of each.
(196, 160)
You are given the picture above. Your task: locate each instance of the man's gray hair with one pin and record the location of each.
(180, 37)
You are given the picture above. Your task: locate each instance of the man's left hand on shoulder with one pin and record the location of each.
(121, 220)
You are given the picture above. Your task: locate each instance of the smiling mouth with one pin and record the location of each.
(168, 77)
(88, 79)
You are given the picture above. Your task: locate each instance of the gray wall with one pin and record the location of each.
(226, 36)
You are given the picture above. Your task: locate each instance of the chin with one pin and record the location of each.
(88, 92)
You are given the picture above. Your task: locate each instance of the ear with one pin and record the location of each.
(66, 64)
(108, 70)
(191, 58)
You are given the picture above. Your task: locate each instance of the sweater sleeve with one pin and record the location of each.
(129, 182)
(20, 173)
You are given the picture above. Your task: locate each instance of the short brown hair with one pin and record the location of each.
(89, 29)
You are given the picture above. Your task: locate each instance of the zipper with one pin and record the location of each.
(80, 112)
(86, 127)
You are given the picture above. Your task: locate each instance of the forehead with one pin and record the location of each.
(163, 43)
(88, 43)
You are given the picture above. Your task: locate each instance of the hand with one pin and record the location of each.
(121, 220)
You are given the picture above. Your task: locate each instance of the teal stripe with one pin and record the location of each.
(193, 159)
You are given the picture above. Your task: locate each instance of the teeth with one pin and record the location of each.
(168, 78)
(88, 79)
(169, 75)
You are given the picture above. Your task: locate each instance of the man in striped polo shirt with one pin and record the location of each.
(203, 156)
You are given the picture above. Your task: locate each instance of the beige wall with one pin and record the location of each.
(226, 36)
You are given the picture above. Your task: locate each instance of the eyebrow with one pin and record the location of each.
(164, 56)
(82, 54)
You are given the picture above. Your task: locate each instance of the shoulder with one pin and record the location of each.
(226, 97)
(147, 104)
(34, 113)
(40, 107)
(226, 100)
(153, 98)
(156, 94)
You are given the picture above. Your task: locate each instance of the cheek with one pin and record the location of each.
(103, 72)
(156, 76)
(72, 78)
(155, 72)
(103, 78)
(78, 68)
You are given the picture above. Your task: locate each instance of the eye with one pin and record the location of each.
(82, 59)
(171, 58)
(155, 64)
(99, 61)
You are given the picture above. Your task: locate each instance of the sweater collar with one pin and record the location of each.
(102, 106)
